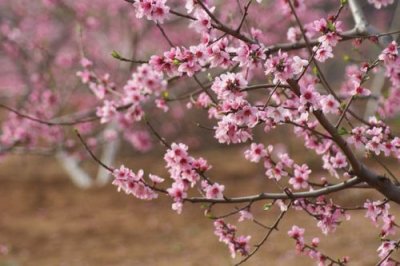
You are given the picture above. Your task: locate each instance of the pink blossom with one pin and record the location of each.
(276, 172)
(4, 249)
(330, 218)
(339, 161)
(282, 206)
(360, 91)
(107, 111)
(389, 225)
(390, 53)
(320, 25)
(385, 248)
(294, 34)
(330, 39)
(310, 95)
(357, 137)
(193, 5)
(139, 139)
(156, 179)
(177, 206)
(375, 145)
(202, 22)
(297, 233)
(299, 5)
(375, 209)
(255, 153)
(177, 191)
(86, 63)
(300, 178)
(214, 191)
(329, 104)
(245, 215)
(323, 52)
(161, 103)
(286, 160)
(315, 242)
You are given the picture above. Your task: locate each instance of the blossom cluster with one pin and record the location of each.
(181, 61)
(15, 130)
(331, 36)
(385, 249)
(99, 86)
(356, 76)
(155, 10)
(376, 138)
(126, 107)
(328, 214)
(227, 234)
(186, 172)
(145, 81)
(391, 61)
(378, 210)
(134, 184)
(283, 166)
(235, 115)
(297, 233)
(284, 67)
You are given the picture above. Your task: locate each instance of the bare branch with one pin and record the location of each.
(269, 232)
(263, 196)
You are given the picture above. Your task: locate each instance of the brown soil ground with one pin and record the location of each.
(45, 220)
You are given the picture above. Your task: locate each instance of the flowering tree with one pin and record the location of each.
(250, 74)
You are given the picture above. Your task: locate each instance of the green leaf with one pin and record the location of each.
(165, 95)
(342, 131)
(315, 70)
(210, 215)
(331, 26)
(209, 77)
(267, 206)
(176, 62)
(343, 2)
(116, 55)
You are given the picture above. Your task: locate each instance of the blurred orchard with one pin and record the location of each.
(261, 112)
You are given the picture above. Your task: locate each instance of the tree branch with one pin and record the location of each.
(263, 196)
(380, 183)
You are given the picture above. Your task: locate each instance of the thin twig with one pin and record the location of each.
(344, 112)
(261, 243)
(165, 35)
(91, 153)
